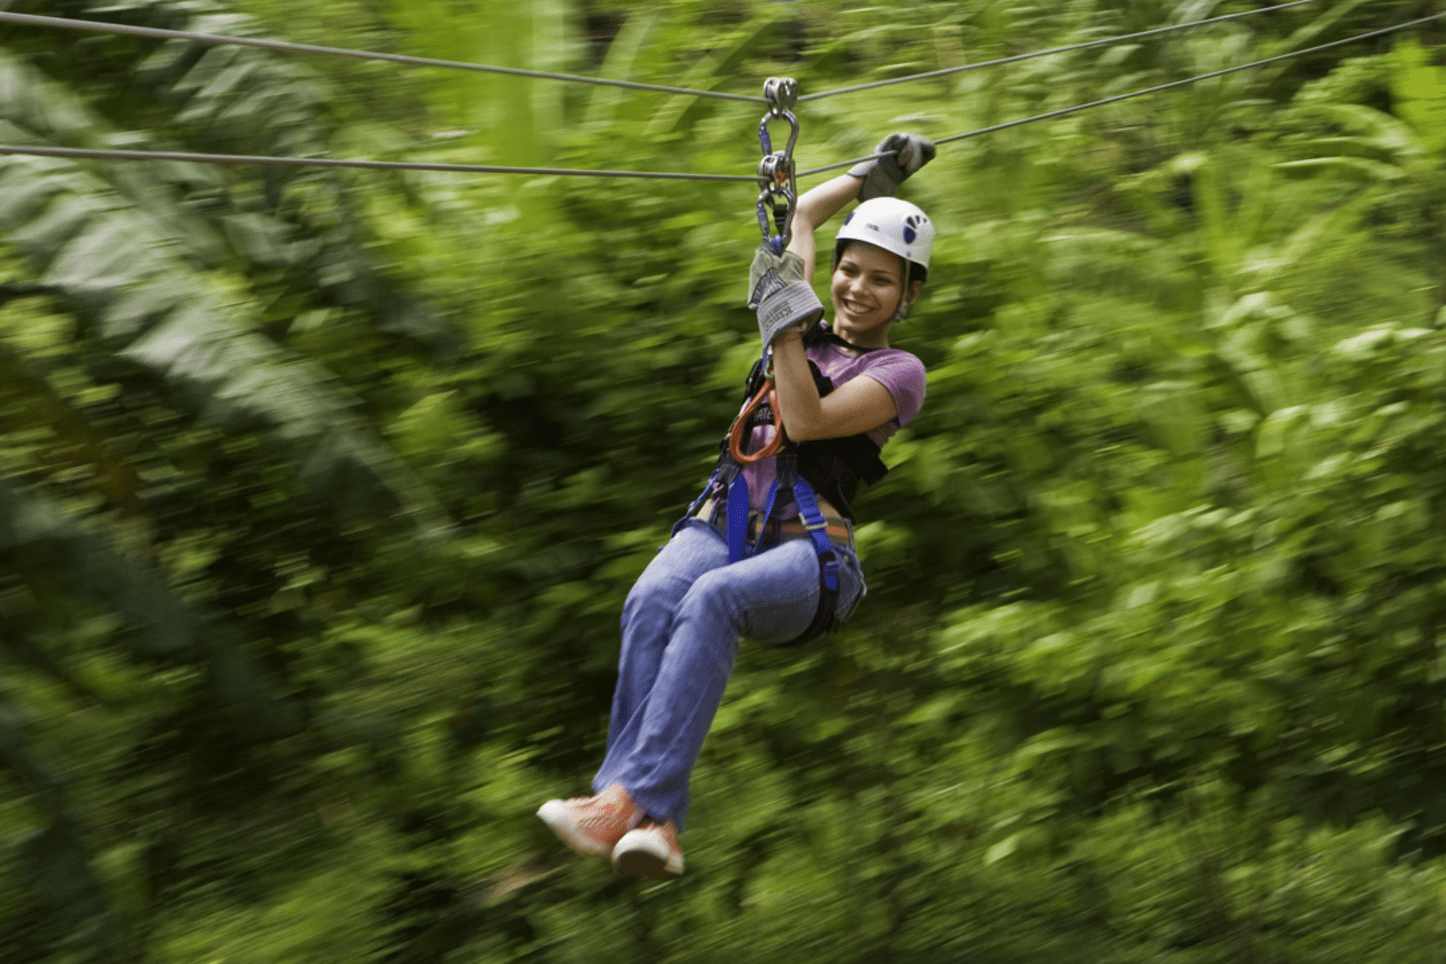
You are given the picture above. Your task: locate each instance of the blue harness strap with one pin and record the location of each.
(824, 617)
(729, 476)
(817, 531)
(738, 548)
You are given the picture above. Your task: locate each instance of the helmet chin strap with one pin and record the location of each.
(904, 304)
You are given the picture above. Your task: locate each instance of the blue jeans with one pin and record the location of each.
(681, 624)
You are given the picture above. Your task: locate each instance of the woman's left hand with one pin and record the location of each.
(904, 154)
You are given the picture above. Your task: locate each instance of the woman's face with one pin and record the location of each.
(866, 287)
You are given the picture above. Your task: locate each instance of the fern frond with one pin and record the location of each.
(134, 274)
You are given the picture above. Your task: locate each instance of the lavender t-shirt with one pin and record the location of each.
(897, 370)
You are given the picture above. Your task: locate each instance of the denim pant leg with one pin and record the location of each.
(647, 624)
(771, 597)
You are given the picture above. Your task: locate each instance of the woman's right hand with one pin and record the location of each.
(779, 290)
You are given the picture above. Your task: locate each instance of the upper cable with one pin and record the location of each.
(121, 154)
(1063, 111)
(1102, 42)
(100, 26)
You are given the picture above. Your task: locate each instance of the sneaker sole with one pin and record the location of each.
(555, 815)
(640, 862)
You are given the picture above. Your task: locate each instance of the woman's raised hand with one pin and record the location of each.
(882, 176)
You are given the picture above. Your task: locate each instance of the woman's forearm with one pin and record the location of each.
(814, 208)
(858, 405)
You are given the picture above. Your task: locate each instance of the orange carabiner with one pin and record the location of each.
(735, 433)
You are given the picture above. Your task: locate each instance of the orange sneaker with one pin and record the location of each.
(592, 826)
(650, 851)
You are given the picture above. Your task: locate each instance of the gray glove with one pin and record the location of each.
(781, 294)
(882, 176)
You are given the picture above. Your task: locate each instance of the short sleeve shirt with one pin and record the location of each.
(901, 373)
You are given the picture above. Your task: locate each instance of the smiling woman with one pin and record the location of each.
(868, 292)
(881, 259)
(767, 550)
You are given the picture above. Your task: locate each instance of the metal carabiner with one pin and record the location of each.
(782, 216)
(767, 141)
(736, 441)
(776, 170)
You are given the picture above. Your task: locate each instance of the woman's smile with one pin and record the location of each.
(866, 288)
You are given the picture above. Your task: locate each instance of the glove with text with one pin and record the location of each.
(781, 294)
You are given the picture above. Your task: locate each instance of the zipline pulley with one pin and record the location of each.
(778, 190)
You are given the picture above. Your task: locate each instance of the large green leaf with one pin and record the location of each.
(38, 532)
(125, 267)
(41, 540)
(1419, 91)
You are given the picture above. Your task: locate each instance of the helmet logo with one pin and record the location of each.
(848, 217)
(911, 224)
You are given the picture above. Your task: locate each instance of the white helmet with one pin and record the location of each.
(893, 225)
(896, 226)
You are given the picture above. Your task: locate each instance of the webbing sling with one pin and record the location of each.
(813, 521)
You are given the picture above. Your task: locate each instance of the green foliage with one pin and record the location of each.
(1419, 91)
(320, 493)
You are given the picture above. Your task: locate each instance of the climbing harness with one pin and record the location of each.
(833, 467)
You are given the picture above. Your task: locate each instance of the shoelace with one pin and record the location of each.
(601, 813)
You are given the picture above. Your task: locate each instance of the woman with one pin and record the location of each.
(684, 616)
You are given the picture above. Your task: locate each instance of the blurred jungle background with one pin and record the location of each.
(320, 490)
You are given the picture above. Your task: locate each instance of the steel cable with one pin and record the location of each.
(120, 154)
(1086, 45)
(1138, 93)
(128, 155)
(98, 26)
